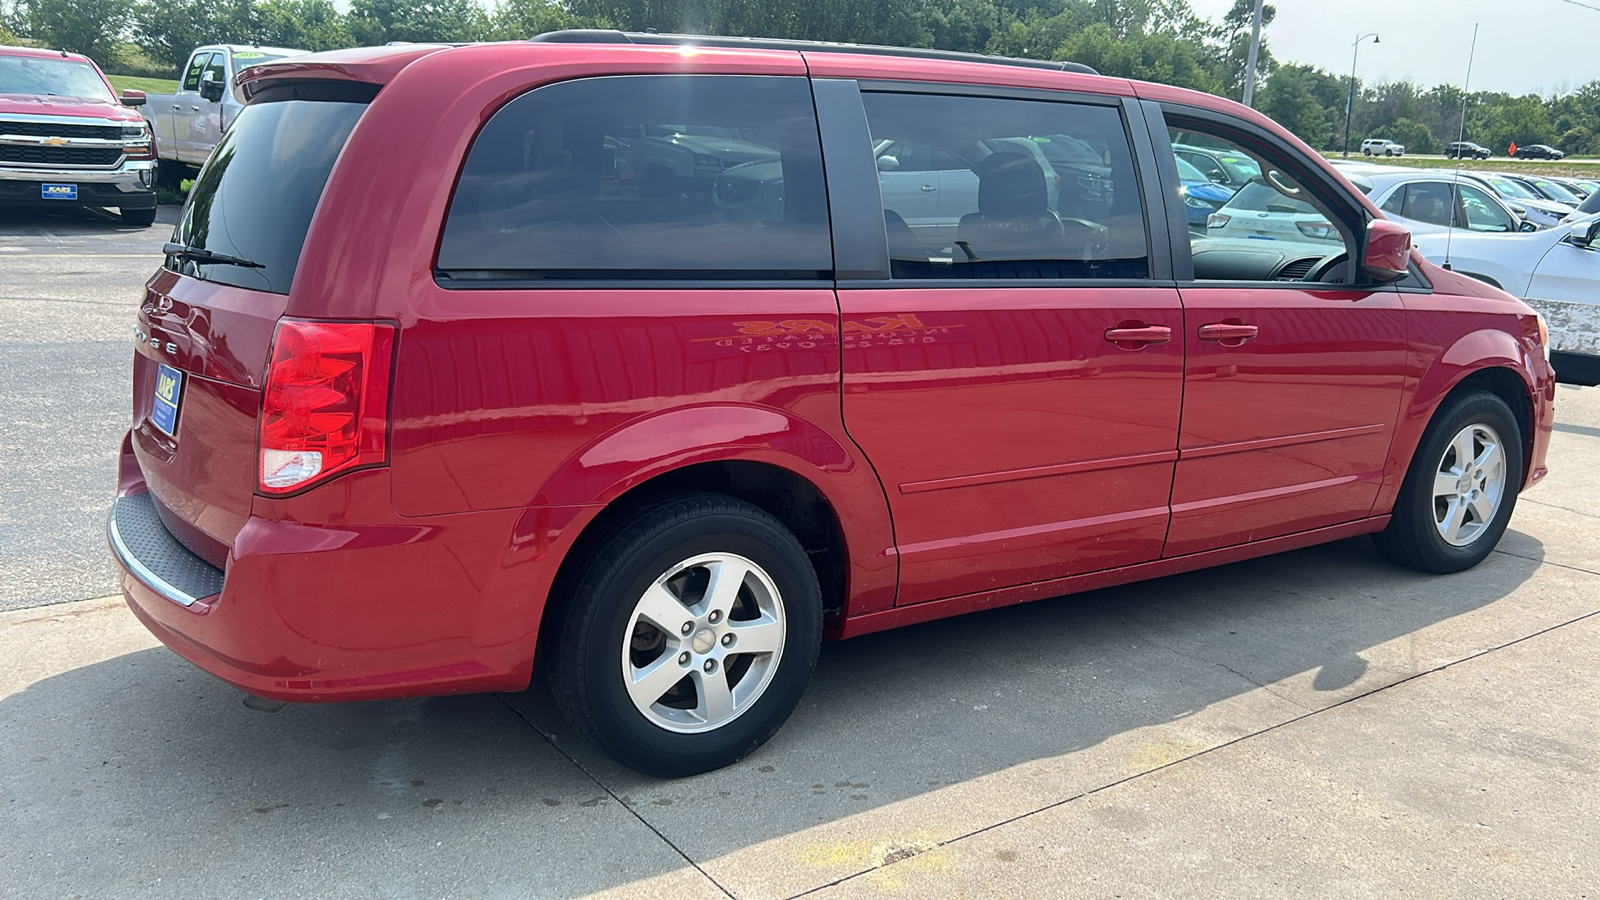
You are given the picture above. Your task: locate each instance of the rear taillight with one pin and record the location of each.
(325, 406)
(1318, 231)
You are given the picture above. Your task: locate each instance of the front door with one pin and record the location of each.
(1293, 379)
(1018, 399)
(187, 105)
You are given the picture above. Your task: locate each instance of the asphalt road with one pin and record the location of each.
(70, 284)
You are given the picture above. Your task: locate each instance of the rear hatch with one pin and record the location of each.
(205, 327)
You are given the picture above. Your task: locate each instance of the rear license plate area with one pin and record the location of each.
(167, 395)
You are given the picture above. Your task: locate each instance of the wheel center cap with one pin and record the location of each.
(704, 640)
(1464, 483)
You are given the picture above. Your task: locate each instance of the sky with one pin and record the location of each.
(1524, 46)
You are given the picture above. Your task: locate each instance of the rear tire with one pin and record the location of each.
(698, 692)
(1461, 488)
(139, 218)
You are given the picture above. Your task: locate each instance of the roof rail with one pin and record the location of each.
(609, 36)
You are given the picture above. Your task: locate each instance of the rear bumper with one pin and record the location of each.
(129, 186)
(390, 607)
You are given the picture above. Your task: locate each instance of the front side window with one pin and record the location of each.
(216, 69)
(1483, 214)
(680, 176)
(1001, 188)
(1272, 229)
(1427, 201)
(191, 76)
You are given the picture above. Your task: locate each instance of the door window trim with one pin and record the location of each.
(626, 278)
(1352, 218)
(855, 199)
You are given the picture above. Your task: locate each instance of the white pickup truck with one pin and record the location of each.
(189, 123)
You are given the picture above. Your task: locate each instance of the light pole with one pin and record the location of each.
(1250, 64)
(1350, 102)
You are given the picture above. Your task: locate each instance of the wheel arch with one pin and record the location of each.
(783, 493)
(1501, 377)
(795, 469)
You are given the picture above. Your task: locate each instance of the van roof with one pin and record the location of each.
(609, 36)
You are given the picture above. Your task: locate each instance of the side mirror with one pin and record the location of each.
(888, 164)
(1387, 256)
(1527, 226)
(133, 98)
(1585, 234)
(1216, 178)
(210, 87)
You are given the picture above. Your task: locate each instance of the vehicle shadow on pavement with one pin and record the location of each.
(143, 757)
(76, 221)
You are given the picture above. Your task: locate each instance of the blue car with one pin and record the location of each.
(1201, 196)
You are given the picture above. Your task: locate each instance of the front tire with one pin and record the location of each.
(139, 218)
(1461, 488)
(691, 634)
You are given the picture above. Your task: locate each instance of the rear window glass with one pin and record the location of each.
(254, 198)
(702, 176)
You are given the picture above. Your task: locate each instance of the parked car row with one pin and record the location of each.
(1535, 236)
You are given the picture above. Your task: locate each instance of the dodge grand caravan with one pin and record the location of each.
(416, 408)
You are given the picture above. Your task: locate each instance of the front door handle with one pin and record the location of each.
(1132, 337)
(1231, 333)
(929, 187)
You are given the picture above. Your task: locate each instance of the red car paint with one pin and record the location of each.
(1089, 451)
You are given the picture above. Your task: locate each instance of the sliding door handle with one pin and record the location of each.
(1132, 337)
(1231, 333)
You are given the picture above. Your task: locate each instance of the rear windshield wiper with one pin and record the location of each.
(199, 254)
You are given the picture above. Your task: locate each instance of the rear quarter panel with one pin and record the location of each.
(552, 399)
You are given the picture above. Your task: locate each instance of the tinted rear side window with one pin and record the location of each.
(699, 176)
(255, 197)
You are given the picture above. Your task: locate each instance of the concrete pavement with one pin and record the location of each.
(70, 285)
(1318, 723)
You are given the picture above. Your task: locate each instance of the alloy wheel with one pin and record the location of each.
(703, 643)
(1469, 484)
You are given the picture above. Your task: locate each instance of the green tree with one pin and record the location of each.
(1289, 97)
(168, 30)
(522, 19)
(90, 27)
(1415, 136)
(305, 24)
(1578, 141)
(1523, 120)
(1147, 57)
(1229, 53)
(376, 22)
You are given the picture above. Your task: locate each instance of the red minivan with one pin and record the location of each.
(659, 359)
